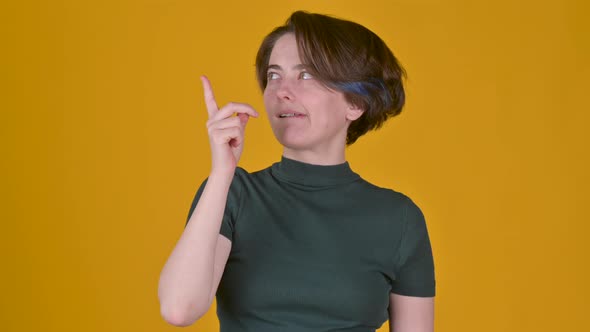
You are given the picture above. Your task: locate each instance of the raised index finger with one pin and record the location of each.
(209, 97)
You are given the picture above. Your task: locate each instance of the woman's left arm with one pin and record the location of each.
(411, 313)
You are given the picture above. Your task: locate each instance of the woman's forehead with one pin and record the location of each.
(285, 51)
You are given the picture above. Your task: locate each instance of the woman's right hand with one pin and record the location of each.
(226, 132)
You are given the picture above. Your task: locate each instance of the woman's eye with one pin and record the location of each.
(305, 75)
(272, 76)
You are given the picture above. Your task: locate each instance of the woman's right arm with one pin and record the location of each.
(191, 275)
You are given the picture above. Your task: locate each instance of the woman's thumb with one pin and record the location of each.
(243, 119)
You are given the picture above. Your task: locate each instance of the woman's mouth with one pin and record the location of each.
(291, 115)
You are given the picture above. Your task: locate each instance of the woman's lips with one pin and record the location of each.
(291, 115)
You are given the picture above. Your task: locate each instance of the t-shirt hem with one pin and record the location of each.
(425, 294)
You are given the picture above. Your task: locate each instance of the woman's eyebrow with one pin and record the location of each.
(296, 67)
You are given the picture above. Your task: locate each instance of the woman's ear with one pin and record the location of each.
(354, 112)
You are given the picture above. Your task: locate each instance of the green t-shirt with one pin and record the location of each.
(317, 248)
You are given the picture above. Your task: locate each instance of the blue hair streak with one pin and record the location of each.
(373, 87)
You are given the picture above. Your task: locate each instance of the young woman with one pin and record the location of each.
(305, 244)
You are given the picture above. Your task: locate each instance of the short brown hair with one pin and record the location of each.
(346, 57)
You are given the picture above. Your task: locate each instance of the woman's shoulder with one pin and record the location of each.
(245, 178)
(385, 193)
(391, 198)
(245, 175)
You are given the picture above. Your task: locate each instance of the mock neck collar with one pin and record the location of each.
(301, 173)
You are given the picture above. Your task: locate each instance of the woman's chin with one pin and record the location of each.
(293, 143)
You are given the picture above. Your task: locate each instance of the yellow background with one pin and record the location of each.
(103, 145)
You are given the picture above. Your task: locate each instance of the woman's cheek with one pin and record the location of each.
(267, 93)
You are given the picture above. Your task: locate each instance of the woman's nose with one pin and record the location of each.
(285, 90)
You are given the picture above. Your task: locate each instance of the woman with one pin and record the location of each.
(305, 244)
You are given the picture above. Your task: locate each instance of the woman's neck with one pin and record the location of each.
(315, 157)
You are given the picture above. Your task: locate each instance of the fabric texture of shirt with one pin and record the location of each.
(317, 248)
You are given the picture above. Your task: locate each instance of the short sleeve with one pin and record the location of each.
(415, 266)
(231, 208)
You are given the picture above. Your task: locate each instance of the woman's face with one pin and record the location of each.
(303, 113)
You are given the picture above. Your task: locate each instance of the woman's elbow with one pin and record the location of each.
(181, 317)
